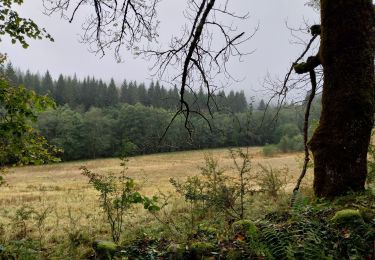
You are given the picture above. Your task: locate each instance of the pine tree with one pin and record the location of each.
(47, 85)
(262, 105)
(124, 92)
(151, 94)
(59, 94)
(112, 94)
(11, 74)
(142, 94)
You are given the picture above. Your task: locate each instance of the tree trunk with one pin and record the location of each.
(340, 143)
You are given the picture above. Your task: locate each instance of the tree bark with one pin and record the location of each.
(340, 143)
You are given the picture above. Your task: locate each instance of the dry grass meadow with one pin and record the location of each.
(72, 204)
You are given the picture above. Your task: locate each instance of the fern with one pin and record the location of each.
(298, 202)
(275, 241)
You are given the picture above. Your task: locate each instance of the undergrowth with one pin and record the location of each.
(236, 213)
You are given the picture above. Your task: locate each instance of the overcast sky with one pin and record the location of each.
(273, 50)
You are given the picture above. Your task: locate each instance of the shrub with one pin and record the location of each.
(214, 190)
(175, 251)
(117, 194)
(270, 150)
(291, 144)
(21, 249)
(288, 130)
(245, 228)
(20, 221)
(272, 181)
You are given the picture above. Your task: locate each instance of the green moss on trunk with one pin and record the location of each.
(340, 143)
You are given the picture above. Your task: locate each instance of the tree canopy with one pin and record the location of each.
(19, 29)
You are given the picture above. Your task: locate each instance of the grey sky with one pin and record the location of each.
(67, 56)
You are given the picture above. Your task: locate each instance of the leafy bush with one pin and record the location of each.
(272, 181)
(291, 144)
(117, 194)
(288, 130)
(245, 228)
(21, 249)
(20, 221)
(270, 150)
(20, 143)
(214, 190)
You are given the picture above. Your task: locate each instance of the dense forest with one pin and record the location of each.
(95, 120)
(92, 92)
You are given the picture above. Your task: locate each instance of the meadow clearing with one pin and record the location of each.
(70, 204)
(56, 183)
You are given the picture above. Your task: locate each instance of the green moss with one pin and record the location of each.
(347, 216)
(105, 249)
(207, 231)
(299, 67)
(176, 251)
(245, 228)
(234, 254)
(367, 214)
(201, 248)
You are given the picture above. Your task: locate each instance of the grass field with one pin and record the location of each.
(72, 203)
(50, 183)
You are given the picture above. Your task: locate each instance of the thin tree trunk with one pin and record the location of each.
(340, 143)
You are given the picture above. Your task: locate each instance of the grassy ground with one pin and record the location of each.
(72, 205)
(154, 171)
(51, 212)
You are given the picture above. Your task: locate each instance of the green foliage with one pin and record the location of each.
(287, 129)
(16, 27)
(19, 142)
(117, 194)
(270, 150)
(207, 232)
(129, 148)
(176, 251)
(142, 247)
(291, 144)
(272, 181)
(319, 230)
(20, 219)
(25, 249)
(215, 191)
(245, 228)
(201, 249)
(89, 126)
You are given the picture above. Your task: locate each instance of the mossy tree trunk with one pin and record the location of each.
(340, 143)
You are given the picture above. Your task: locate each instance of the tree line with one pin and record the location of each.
(136, 129)
(94, 120)
(91, 92)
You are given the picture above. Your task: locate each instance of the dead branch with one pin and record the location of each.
(306, 131)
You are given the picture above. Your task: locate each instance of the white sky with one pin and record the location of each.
(273, 50)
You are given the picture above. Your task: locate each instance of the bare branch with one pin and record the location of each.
(111, 23)
(306, 132)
